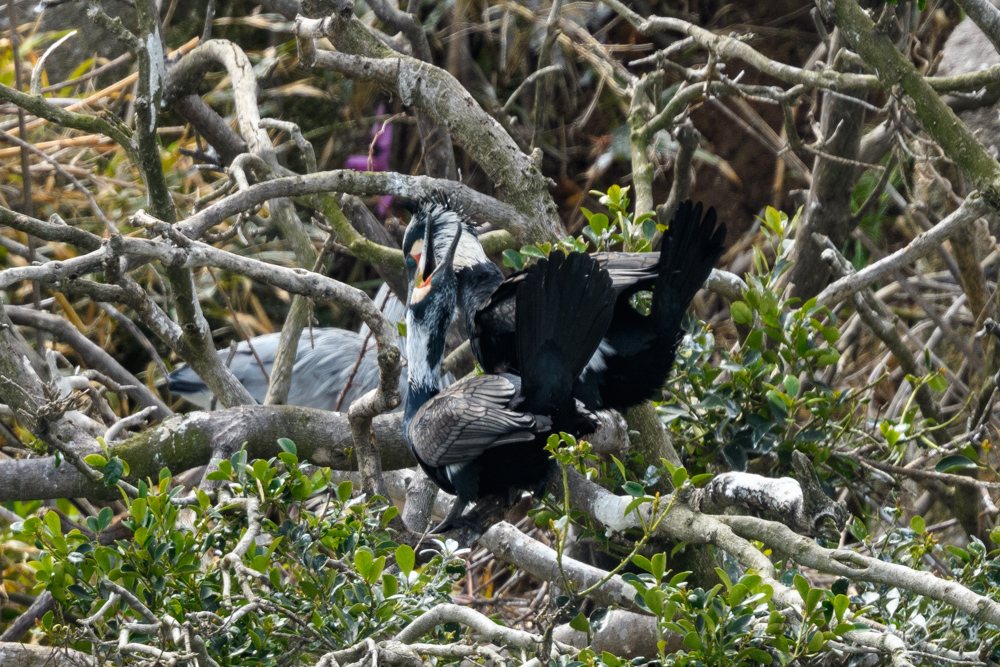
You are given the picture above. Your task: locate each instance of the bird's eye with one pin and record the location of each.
(410, 261)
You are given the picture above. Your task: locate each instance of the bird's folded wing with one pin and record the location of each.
(466, 419)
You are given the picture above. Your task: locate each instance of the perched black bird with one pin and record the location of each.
(486, 434)
(637, 353)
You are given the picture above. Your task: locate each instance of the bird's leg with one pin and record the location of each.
(454, 518)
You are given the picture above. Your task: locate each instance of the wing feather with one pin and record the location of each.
(467, 418)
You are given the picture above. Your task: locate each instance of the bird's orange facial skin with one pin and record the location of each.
(420, 292)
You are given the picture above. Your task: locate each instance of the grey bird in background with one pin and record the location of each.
(324, 363)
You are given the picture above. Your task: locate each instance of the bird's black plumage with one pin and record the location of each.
(486, 435)
(644, 346)
(637, 353)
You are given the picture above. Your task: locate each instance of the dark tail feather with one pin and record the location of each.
(564, 306)
(691, 247)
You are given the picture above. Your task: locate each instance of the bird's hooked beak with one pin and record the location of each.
(425, 263)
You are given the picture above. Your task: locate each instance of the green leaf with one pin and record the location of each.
(813, 598)
(113, 470)
(680, 577)
(724, 578)
(649, 228)
(287, 446)
(840, 605)
(376, 570)
(620, 466)
(580, 623)
(138, 509)
(773, 219)
(643, 562)
(737, 594)
(740, 312)
(937, 382)
(955, 462)
(405, 558)
(390, 585)
(918, 525)
(532, 251)
(843, 628)
(634, 489)
(659, 563)
(53, 523)
(344, 490)
(363, 559)
(802, 586)
(96, 460)
(679, 477)
(692, 640)
(958, 552)
(401, 328)
(513, 259)
(701, 480)
(654, 600)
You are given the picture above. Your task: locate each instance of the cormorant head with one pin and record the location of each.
(430, 308)
(444, 216)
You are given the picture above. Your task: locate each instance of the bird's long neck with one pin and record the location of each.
(424, 352)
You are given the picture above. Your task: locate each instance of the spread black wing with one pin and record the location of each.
(630, 271)
(564, 305)
(491, 334)
(644, 346)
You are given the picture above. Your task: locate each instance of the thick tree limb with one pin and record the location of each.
(479, 206)
(898, 75)
(440, 95)
(13, 654)
(828, 205)
(986, 16)
(514, 547)
(187, 441)
(26, 621)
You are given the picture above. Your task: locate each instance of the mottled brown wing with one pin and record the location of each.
(466, 419)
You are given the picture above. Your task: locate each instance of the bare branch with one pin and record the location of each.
(971, 209)
(91, 354)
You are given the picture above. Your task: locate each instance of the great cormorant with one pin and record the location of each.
(486, 434)
(637, 353)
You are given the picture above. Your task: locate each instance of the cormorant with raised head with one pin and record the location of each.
(486, 434)
(637, 353)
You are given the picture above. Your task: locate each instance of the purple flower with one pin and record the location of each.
(378, 157)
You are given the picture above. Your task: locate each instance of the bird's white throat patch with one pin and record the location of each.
(421, 372)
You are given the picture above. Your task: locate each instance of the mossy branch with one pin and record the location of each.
(899, 76)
